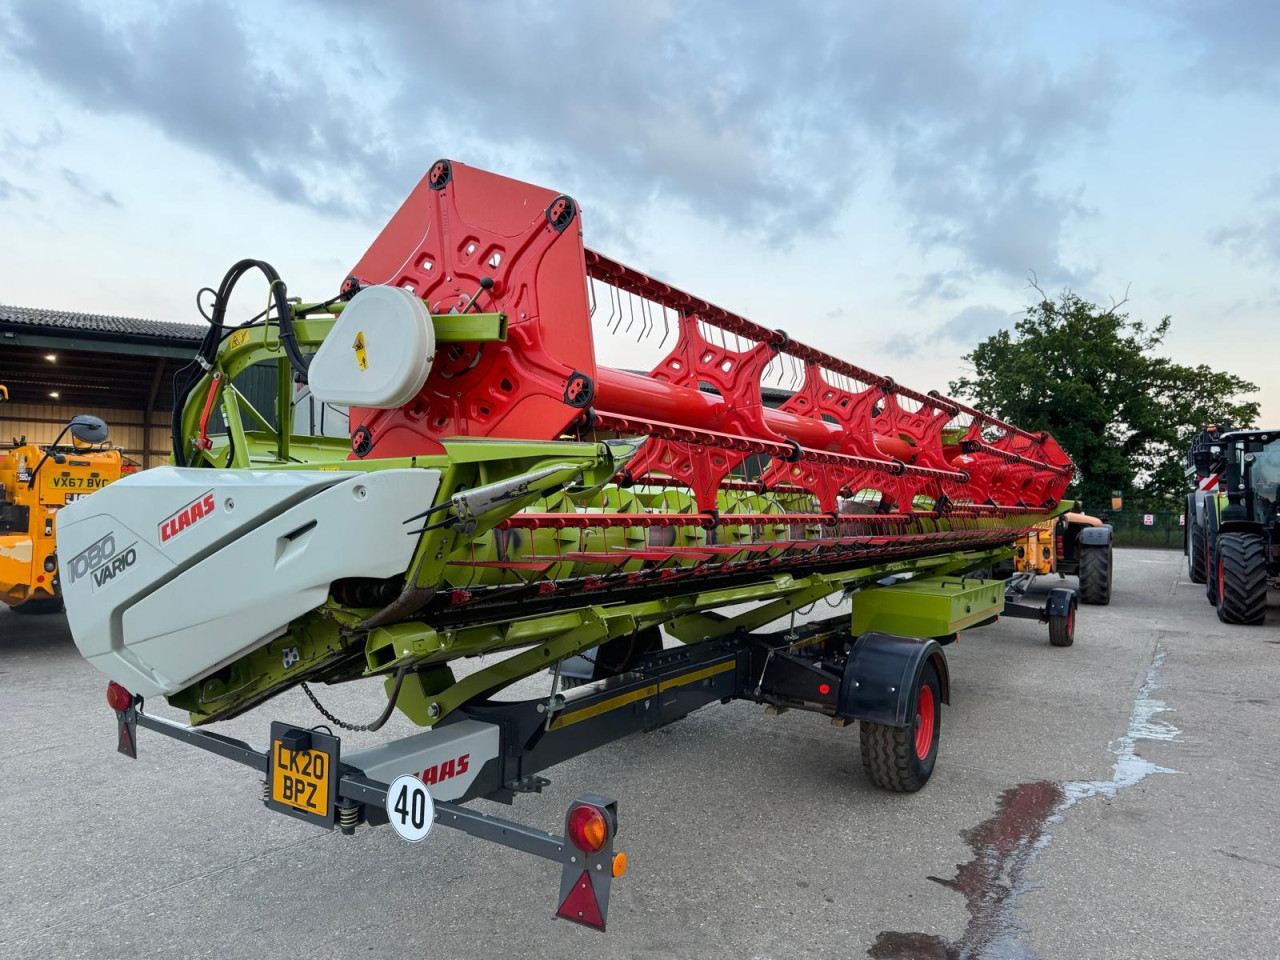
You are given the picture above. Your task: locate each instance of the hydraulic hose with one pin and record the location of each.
(208, 350)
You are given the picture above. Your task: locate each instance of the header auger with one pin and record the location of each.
(498, 490)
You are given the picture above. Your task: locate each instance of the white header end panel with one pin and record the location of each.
(172, 573)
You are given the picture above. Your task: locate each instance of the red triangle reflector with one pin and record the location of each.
(126, 745)
(580, 905)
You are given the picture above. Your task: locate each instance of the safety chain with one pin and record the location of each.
(354, 727)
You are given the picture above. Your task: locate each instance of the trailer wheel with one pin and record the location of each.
(901, 759)
(40, 607)
(1196, 554)
(1242, 578)
(1095, 574)
(1062, 627)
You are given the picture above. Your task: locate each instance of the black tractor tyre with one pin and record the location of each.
(901, 759)
(41, 606)
(1095, 574)
(1062, 628)
(1211, 568)
(1196, 556)
(1242, 578)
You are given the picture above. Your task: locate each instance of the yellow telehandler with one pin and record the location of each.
(35, 482)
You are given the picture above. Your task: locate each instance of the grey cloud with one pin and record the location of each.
(763, 120)
(964, 329)
(1236, 43)
(26, 150)
(942, 285)
(9, 190)
(757, 116)
(80, 186)
(190, 69)
(975, 323)
(1253, 241)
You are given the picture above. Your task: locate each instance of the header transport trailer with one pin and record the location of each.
(500, 492)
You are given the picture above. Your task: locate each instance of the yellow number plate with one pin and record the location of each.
(301, 779)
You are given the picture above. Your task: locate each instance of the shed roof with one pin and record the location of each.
(98, 325)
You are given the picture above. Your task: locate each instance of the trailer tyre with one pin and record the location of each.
(1242, 578)
(40, 607)
(1062, 627)
(1095, 574)
(901, 759)
(1196, 554)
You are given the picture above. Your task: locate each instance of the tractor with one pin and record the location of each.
(1232, 538)
(35, 483)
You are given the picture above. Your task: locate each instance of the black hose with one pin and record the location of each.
(208, 350)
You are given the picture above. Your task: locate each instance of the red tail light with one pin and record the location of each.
(588, 830)
(118, 698)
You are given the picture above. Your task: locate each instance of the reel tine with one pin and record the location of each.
(631, 306)
(666, 327)
(615, 308)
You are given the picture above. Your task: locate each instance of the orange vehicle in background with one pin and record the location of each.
(1073, 544)
(35, 483)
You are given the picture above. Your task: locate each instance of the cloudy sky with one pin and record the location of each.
(879, 178)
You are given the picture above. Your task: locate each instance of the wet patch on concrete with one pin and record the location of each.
(1006, 845)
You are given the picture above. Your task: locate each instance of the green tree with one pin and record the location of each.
(1093, 379)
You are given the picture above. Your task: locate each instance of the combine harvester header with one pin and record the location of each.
(501, 491)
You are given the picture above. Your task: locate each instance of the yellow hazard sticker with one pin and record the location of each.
(362, 358)
(239, 339)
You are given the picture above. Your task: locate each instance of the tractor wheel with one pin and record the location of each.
(1062, 628)
(901, 759)
(40, 606)
(1242, 578)
(1211, 568)
(1196, 555)
(1095, 574)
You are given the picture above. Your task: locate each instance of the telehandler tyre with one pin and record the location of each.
(1095, 574)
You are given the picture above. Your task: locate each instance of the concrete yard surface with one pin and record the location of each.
(1117, 798)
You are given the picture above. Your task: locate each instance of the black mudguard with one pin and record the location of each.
(1061, 600)
(1096, 536)
(882, 673)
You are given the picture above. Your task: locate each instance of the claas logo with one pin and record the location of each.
(446, 770)
(187, 517)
